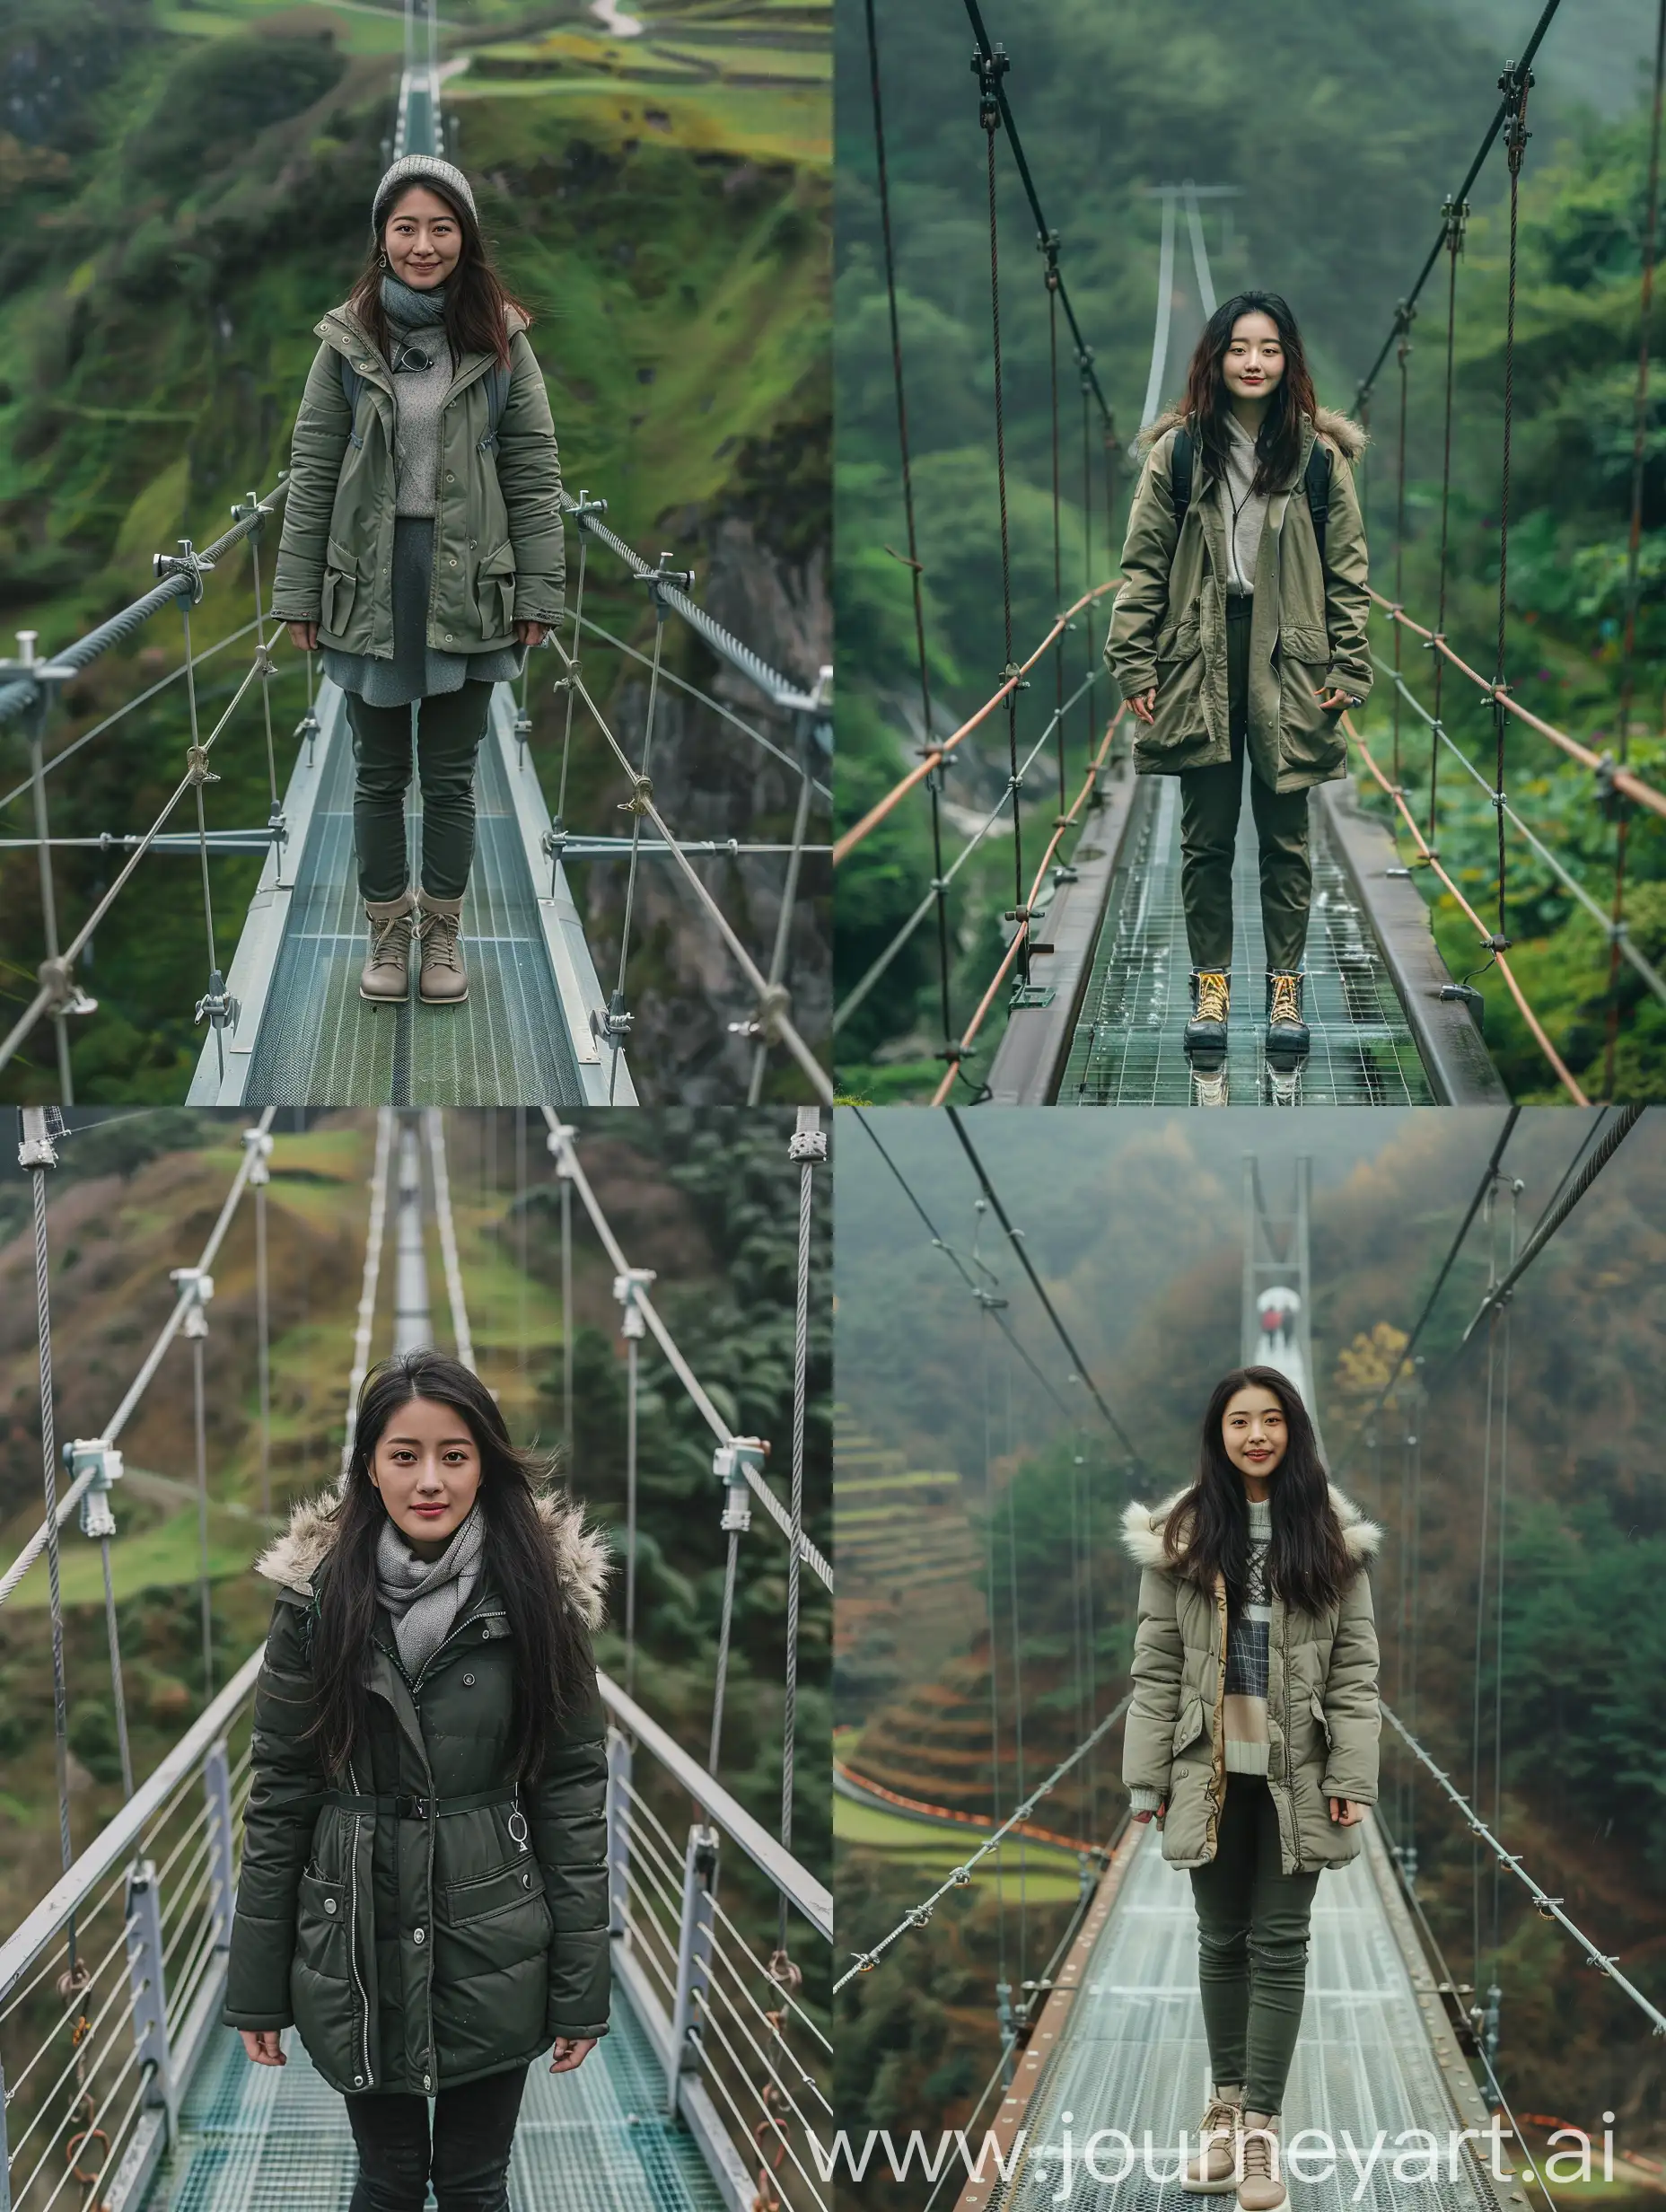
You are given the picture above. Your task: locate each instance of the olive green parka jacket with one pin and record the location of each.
(1323, 1713)
(422, 1923)
(499, 555)
(1306, 635)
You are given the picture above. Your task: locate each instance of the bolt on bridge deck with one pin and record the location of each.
(1126, 1049)
(1374, 2055)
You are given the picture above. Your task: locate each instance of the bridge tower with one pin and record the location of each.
(1275, 1318)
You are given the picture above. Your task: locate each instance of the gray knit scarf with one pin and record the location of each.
(425, 1596)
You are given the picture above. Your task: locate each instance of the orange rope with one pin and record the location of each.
(844, 846)
(1528, 1016)
(1622, 779)
(1064, 822)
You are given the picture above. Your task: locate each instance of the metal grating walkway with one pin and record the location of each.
(1134, 2055)
(269, 2139)
(1126, 1049)
(307, 1038)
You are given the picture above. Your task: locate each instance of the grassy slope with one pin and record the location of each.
(671, 247)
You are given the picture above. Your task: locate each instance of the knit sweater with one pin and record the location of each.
(1244, 1712)
(1246, 512)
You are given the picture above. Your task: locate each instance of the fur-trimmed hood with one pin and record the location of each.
(1349, 438)
(1143, 1529)
(582, 1559)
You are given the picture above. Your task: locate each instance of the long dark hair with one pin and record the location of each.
(475, 297)
(1205, 407)
(552, 1659)
(1307, 1561)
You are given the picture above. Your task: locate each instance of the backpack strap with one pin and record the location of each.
(352, 383)
(1181, 476)
(497, 400)
(1316, 480)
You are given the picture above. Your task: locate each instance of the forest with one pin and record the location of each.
(1335, 133)
(1538, 1604)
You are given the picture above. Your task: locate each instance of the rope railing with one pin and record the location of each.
(917, 1916)
(1549, 1906)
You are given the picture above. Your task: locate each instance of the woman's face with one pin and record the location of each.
(1253, 364)
(427, 1466)
(422, 238)
(1254, 1430)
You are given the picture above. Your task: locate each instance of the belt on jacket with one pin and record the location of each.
(1239, 606)
(404, 1807)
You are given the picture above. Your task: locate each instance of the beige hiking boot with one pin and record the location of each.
(444, 980)
(386, 975)
(1213, 2172)
(1262, 2188)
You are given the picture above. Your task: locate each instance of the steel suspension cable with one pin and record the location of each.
(808, 1147)
(1087, 545)
(1050, 246)
(1016, 1653)
(1516, 83)
(37, 1154)
(933, 780)
(1079, 1365)
(994, 1652)
(1404, 317)
(1634, 544)
(1498, 1607)
(990, 70)
(1480, 1589)
(1601, 1153)
(1456, 216)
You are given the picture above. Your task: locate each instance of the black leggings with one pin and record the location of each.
(474, 2130)
(450, 725)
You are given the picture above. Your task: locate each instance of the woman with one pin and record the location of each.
(422, 546)
(1240, 630)
(424, 1889)
(1253, 1737)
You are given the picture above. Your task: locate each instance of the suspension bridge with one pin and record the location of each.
(283, 1021)
(1108, 2035)
(120, 2088)
(1087, 1004)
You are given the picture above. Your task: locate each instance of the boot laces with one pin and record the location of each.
(1221, 2119)
(390, 941)
(1258, 2154)
(1212, 992)
(440, 940)
(1286, 1005)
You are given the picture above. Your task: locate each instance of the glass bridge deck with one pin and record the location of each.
(1133, 2056)
(257, 2139)
(1125, 1048)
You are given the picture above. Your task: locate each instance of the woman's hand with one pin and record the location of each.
(571, 2050)
(1335, 700)
(303, 636)
(1345, 1813)
(1161, 1809)
(264, 2045)
(1144, 704)
(534, 634)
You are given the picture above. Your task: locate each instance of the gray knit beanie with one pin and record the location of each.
(413, 169)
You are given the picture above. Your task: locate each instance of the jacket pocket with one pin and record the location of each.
(495, 591)
(321, 1916)
(340, 588)
(1189, 1728)
(1316, 1706)
(1310, 737)
(463, 1901)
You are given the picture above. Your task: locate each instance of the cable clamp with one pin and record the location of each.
(1612, 804)
(807, 1143)
(729, 1463)
(627, 1289)
(661, 578)
(257, 1145)
(1454, 221)
(554, 841)
(642, 793)
(989, 69)
(216, 1005)
(196, 769)
(1515, 82)
(613, 1027)
(187, 562)
(585, 504)
(98, 1456)
(58, 976)
(765, 1026)
(1047, 243)
(248, 509)
(264, 664)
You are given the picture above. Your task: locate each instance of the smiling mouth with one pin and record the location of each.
(430, 1513)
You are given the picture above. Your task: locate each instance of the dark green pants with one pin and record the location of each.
(450, 726)
(1210, 799)
(1253, 1924)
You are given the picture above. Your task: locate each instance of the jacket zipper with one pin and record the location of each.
(353, 1939)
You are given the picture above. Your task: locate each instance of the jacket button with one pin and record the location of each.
(358, 2081)
(329, 1904)
(450, 478)
(417, 1935)
(467, 1682)
(452, 558)
(448, 637)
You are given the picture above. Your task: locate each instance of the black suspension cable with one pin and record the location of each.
(1079, 1365)
(933, 780)
(1634, 547)
(1602, 1152)
(1405, 1359)
(1087, 559)
(989, 69)
(1050, 246)
(1462, 193)
(1457, 214)
(1405, 316)
(1516, 82)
